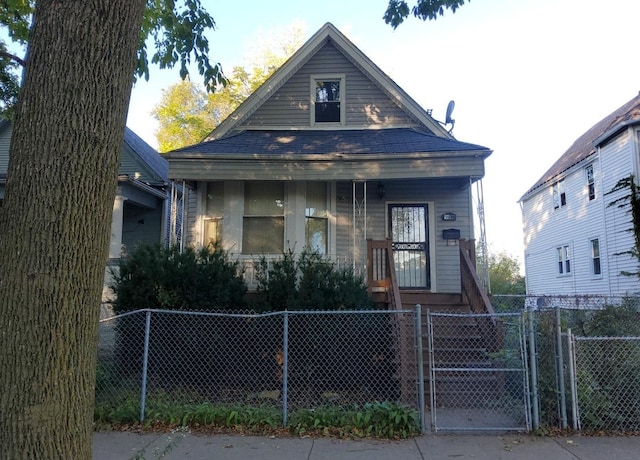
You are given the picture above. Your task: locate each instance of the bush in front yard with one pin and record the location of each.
(167, 278)
(309, 282)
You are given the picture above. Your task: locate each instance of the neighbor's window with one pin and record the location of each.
(564, 260)
(328, 95)
(214, 212)
(595, 257)
(559, 195)
(591, 183)
(263, 223)
(316, 217)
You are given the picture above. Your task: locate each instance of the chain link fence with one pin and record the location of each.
(586, 361)
(288, 360)
(556, 361)
(478, 373)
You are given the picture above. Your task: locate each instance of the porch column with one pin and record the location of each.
(115, 242)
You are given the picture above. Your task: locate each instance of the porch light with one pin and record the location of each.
(380, 189)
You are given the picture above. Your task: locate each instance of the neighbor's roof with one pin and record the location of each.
(320, 142)
(586, 144)
(148, 155)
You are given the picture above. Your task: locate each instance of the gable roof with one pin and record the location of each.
(587, 143)
(138, 160)
(156, 167)
(328, 33)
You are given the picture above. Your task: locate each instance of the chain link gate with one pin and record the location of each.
(478, 372)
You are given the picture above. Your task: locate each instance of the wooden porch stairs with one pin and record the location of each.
(458, 342)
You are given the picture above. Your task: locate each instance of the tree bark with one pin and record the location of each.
(55, 221)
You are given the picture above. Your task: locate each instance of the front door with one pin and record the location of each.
(410, 237)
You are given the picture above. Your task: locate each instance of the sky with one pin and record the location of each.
(528, 77)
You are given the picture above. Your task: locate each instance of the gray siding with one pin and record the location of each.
(5, 141)
(441, 197)
(141, 226)
(328, 170)
(366, 104)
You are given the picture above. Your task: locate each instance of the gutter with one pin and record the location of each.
(142, 186)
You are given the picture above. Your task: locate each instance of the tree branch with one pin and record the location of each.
(6, 55)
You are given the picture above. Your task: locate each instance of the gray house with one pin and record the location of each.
(140, 210)
(331, 154)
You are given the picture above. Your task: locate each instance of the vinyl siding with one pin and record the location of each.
(366, 104)
(5, 141)
(576, 224)
(328, 170)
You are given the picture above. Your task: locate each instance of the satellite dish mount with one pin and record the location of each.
(448, 120)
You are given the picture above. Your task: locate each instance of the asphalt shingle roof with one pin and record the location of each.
(583, 147)
(155, 161)
(356, 141)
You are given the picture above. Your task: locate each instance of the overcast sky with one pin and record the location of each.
(527, 76)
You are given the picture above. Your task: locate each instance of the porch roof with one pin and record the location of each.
(396, 141)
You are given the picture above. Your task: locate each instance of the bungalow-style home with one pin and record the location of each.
(140, 210)
(332, 155)
(576, 243)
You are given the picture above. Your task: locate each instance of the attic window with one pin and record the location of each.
(328, 99)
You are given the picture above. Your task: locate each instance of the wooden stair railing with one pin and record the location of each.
(476, 295)
(381, 271)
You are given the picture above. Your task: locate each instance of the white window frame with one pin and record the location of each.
(563, 260)
(591, 181)
(594, 258)
(312, 100)
(559, 194)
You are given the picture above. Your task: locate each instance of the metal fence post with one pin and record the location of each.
(560, 365)
(420, 360)
(572, 379)
(285, 367)
(534, 372)
(145, 362)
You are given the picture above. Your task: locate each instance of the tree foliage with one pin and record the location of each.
(187, 114)
(504, 275)
(173, 30)
(630, 201)
(398, 10)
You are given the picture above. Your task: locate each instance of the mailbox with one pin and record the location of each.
(451, 234)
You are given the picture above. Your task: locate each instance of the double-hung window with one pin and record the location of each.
(591, 182)
(316, 217)
(559, 195)
(595, 257)
(263, 222)
(214, 212)
(564, 260)
(327, 97)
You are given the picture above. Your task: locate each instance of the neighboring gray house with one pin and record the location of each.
(330, 153)
(573, 238)
(140, 210)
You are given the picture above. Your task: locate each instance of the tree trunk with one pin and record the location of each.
(55, 221)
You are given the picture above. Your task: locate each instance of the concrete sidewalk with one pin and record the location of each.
(184, 445)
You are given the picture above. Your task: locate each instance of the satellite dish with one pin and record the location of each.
(448, 120)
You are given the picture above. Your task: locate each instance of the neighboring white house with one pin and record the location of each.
(573, 237)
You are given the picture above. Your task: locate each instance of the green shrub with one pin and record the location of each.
(168, 278)
(310, 282)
